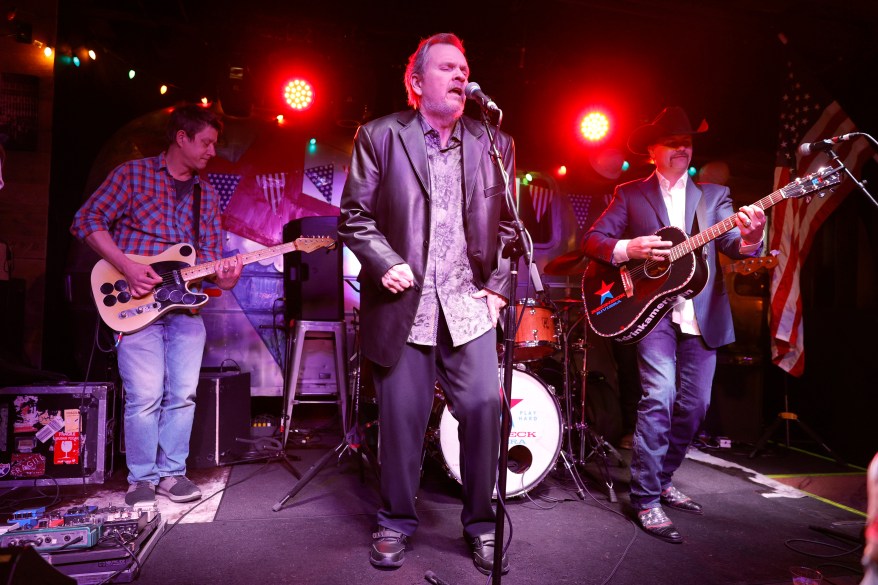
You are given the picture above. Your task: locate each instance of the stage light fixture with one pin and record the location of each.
(298, 94)
(163, 89)
(131, 73)
(528, 177)
(562, 170)
(76, 60)
(48, 52)
(594, 126)
(92, 55)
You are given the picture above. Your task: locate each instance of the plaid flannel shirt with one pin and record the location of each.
(137, 204)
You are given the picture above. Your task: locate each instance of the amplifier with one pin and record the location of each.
(58, 434)
(222, 415)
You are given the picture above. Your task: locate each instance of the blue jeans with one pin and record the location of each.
(676, 373)
(159, 366)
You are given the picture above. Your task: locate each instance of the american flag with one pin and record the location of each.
(807, 114)
(541, 199)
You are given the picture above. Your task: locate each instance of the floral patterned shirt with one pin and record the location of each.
(448, 281)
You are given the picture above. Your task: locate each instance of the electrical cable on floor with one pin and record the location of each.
(11, 506)
(846, 551)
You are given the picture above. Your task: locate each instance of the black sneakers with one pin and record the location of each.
(140, 492)
(483, 554)
(388, 548)
(178, 488)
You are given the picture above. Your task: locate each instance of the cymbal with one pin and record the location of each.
(567, 300)
(566, 264)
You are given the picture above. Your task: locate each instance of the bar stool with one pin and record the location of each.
(300, 332)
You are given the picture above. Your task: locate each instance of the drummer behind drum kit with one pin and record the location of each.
(541, 431)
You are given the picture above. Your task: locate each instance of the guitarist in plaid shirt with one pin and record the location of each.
(143, 207)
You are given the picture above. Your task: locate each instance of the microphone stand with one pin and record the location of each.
(860, 185)
(513, 250)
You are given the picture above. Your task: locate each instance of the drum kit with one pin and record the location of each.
(549, 417)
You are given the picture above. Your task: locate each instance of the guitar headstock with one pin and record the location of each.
(750, 265)
(309, 244)
(814, 183)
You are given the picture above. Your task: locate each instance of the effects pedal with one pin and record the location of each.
(53, 539)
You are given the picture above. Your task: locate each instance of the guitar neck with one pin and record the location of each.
(200, 271)
(690, 245)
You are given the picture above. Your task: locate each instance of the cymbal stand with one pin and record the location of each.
(592, 446)
(567, 445)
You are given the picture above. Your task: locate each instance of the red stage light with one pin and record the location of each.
(298, 94)
(594, 126)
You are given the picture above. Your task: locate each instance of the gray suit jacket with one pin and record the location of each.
(638, 209)
(385, 220)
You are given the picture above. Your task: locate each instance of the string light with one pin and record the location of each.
(131, 74)
(92, 55)
(163, 89)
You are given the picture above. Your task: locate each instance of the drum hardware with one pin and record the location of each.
(567, 264)
(537, 334)
(592, 446)
(534, 441)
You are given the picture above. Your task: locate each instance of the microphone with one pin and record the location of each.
(475, 93)
(807, 148)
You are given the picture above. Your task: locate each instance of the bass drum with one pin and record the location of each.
(534, 440)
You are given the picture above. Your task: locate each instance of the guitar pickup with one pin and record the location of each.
(627, 282)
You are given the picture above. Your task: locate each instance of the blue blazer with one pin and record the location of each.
(638, 209)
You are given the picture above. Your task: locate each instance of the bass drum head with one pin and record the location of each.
(534, 441)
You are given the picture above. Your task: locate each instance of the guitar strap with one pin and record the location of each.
(196, 217)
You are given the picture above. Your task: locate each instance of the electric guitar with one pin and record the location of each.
(123, 312)
(750, 265)
(625, 303)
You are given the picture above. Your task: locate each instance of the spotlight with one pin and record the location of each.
(298, 94)
(594, 126)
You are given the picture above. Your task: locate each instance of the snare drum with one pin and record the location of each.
(538, 335)
(534, 441)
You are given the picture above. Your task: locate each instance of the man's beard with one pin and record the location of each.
(442, 109)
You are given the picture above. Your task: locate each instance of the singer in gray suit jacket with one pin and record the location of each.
(424, 211)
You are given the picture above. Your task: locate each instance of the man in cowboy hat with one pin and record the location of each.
(677, 359)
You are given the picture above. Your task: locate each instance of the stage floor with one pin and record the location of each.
(759, 521)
